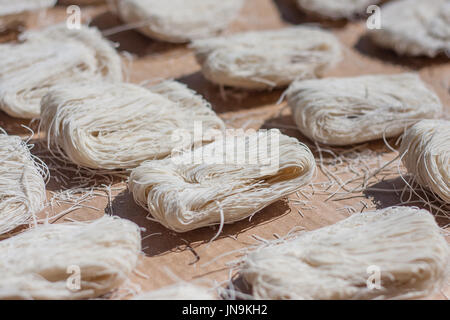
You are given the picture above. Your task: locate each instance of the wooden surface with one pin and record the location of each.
(169, 256)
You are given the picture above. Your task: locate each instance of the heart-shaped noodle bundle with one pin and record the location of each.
(52, 56)
(179, 20)
(344, 111)
(225, 181)
(267, 59)
(119, 125)
(394, 253)
(22, 186)
(44, 262)
(425, 153)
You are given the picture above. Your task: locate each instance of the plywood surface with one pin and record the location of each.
(169, 256)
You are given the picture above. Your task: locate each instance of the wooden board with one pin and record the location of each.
(169, 256)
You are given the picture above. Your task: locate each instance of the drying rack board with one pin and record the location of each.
(169, 256)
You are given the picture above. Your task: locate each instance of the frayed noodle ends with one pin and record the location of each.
(12, 7)
(109, 65)
(267, 59)
(113, 126)
(425, 153)
(22, 186)
(222, 182)
(53, 56)
(415, 27)
(69, 261)
(344, 111)
(335, 9)
(394, 253)
(181, 291)
(179, 20)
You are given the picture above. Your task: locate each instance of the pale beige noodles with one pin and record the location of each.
(415, 27)
(336, 9)
(222, 182)
(179, 20)
(10, 7)
(43, 263)
(394, 253)
(425, 153)
(267, 59)
(113, 126)
(179, 291)
(344, 111)
(52, 56)
(22, 186)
